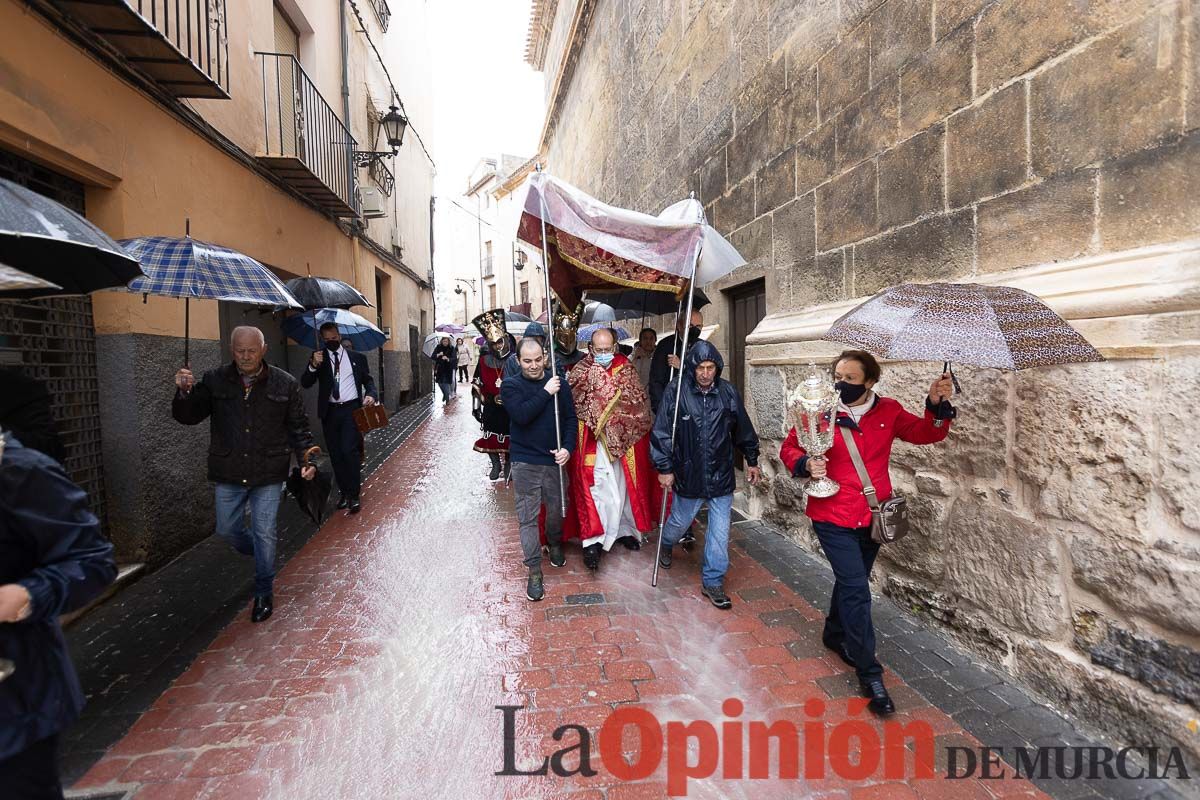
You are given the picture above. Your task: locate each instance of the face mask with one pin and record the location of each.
(850, 391)
(333, 345)
(604, 359)
(694, 332)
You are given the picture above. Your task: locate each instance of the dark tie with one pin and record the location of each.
(337, 380)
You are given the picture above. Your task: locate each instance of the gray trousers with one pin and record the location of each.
(533, 486)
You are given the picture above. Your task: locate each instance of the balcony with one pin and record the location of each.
(486, 266)
(382, 12)
(183, 45)
(522, 308)
(382, 177)
(304, 142)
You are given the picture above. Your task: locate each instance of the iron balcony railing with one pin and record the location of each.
(382, 12)
(304, 140)
(181, 44)
(485, 264)
(382, 177)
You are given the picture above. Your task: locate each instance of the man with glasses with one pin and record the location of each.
(613, 486)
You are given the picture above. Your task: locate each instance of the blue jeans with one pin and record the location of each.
(851, 554)
(259, 541)
(716, 535)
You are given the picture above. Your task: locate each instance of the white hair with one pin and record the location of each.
(248, 330)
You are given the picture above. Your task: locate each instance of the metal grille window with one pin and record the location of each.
(54, 341)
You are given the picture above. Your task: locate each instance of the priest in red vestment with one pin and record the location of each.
(613, 482)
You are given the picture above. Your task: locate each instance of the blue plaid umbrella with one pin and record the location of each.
(190, 268)
(363, 336)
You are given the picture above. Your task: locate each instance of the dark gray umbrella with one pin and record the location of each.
(50, 241)
(984, 326)
(640, 303)
(314, 293)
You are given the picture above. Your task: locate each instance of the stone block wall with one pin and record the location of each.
(848, 145)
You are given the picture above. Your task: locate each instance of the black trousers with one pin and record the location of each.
(32, 774)
(851, 554)
(343, 440)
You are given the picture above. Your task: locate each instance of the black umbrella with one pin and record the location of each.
(311, 495)
(50, 241)
(641, 303)
(314, 293)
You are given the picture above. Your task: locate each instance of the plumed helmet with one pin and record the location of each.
(566, 327)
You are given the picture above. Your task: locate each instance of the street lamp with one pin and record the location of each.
(393, 123)
(459, 290)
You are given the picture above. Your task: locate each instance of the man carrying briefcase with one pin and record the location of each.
(344, 386)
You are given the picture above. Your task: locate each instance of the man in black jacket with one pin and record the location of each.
(699, 467)
(664, 364)
(537, 459)
(345, 385)
(53, 559)
(25, 409)
(257, 423)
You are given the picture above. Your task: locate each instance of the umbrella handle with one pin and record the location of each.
(949, 367)
(309, 454)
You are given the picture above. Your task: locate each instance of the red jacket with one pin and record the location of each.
(884, 423)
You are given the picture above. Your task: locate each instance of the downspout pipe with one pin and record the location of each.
(345, 29)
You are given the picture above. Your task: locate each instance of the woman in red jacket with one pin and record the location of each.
(843, 522)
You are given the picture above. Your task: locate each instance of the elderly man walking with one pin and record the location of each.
(256, 423)
(536, 457)
(699, 467)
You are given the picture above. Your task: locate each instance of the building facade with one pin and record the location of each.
(251, 124)
(482, 265)
(848, 146)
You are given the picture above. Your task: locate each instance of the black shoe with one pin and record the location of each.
(263, 606)
(840, 649)
(881, 702)
(533, 587)
(591, 557)
(717, 595)
(557, 559)
(495, 473)
(342, 501)
(664, 558)
(355, 506)
(632, 542)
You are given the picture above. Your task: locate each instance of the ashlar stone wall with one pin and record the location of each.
(848, 145)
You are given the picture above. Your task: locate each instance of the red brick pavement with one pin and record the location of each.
(398, 631)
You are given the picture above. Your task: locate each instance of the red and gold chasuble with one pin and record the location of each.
(614, 413)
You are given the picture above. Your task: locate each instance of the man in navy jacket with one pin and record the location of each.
(536, 457)
(699, 464)
(53, 559)
(344, 386)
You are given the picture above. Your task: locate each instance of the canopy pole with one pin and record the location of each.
(562, 486)
(187, 339)
(662, 513)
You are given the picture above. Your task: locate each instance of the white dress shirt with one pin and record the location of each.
(344, 375)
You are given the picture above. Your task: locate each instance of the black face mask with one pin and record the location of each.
(694, 332)
(333, 346)
(850, 391)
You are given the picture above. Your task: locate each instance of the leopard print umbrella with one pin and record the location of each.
(984, 326)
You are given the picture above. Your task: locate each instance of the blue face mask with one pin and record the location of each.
(604, 359)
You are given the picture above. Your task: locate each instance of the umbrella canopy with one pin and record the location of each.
(313, 292)
(191, 268)
(451, 328)
(585, 333)
(598, 312)
(15, 283)
(984, 326)
(50, 241)
(593, 246)
(432, 341)
(363, 335)
(639, 303)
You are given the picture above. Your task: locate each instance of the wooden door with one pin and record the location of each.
(747, 307)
